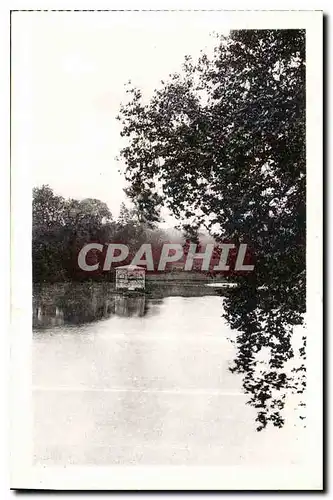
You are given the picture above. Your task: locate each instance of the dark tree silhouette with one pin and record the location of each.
(222, 145)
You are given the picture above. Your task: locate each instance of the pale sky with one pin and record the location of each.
(69, 71)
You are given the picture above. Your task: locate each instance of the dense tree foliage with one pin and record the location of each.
(222, 145)
(61, 227)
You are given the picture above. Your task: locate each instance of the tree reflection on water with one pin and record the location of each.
(73, 305)
(78, 303)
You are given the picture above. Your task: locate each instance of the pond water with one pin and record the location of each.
(142, 380)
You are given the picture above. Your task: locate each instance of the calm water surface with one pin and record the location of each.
(138, 380)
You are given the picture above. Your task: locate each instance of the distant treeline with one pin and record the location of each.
(62, 226)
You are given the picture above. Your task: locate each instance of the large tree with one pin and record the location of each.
(222, 145)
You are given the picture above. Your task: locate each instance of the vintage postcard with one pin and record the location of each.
(166, 188)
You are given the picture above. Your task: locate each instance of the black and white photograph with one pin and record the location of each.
(166, 173)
